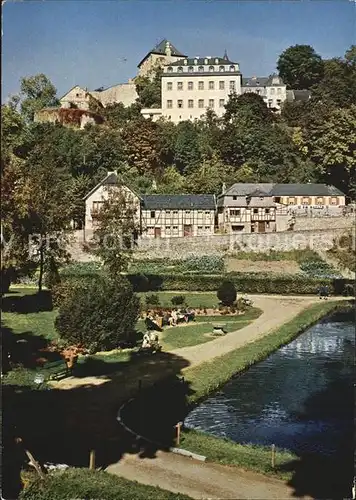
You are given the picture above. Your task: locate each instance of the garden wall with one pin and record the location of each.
(178, 248)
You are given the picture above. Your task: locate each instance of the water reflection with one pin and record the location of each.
(300, 398)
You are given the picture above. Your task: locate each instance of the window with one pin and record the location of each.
(207, 228)
(187, 212)
(175, 229)
(211, 103)
(232, 68)
(153, 214)
(206, 61)
(291, 201)
(211, 85)
(334, 201)
(320, 200)
(169, 104)
(200, 228)
(200, 85)
(190, 69)
(267, 211)
(232, 85)
(279, 90)
(235, 213)
(221, 68)
(180, 69)
(97, 206)
(211, 68)
(255, 210)
(190, 86)
(190, 103)
(170, 69)
(207, 212)
(168, 229)
(168, 212)
(221, 103)
(201, 103)
(169, 86)
(201, 69)
(272, 91)
(77, 95)
(175, 212)
(305, 200)
(180, 103)
(270, 102)
(221, 85)
(180, 86)
(278, 102)
(234, 197)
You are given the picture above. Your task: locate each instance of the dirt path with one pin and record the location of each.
(277, 310)
(200, 480)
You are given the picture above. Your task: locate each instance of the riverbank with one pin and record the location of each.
(210, 376)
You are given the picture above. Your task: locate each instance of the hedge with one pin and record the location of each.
(244, 282)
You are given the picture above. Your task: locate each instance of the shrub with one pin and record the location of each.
(178, 300)
(227, 293)
(206, 264)
(99, 315)
(152, 300)
(84, 483)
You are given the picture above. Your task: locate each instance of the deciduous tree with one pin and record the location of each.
(300, 67)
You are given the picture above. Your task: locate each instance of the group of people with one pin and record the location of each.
(171, 318)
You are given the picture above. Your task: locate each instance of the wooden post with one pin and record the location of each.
(273, 458)
(33, 462)
(178, 427)
(92, 460)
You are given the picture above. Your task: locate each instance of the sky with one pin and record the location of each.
(99, 43)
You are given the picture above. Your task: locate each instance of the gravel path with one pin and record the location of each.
(200, 480)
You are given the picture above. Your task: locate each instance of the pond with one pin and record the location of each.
(300, 398)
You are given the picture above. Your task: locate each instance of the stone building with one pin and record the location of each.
(271, 89)
(69, 117)
(162, 54)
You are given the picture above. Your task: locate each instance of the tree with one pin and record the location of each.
(227, 293)
(350, 56)
(209, 177)
(171, 182)
(148, 89)
(247, 108)
(100, 314)
(186, 147)
(49, 211)
(332, 146)
(300, 67)
(117, 227)
(37, 92)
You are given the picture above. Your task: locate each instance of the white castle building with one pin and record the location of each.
(189, 86)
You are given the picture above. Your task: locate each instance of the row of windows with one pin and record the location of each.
(202, 69)
(175, 228)
(263, 91)
(201, 103)
(175, 212)
(320, 200)
(211, 85)
(255, 211)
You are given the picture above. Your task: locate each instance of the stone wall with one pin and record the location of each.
(310, 223)
(176, 248)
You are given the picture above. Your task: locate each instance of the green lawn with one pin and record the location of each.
(198, 332)
(194, 300)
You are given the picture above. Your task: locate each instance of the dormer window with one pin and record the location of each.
(206, 61)
(169, 69)
(190, 69)
(211, 68)
(221, 68)
(195, 61)
(201, 69)
(185, 62)
(232, 67)
(179, 69)
(216, 61)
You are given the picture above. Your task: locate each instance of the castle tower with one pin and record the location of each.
(163, 53)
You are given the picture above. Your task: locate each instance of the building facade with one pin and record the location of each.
(272, 89)
(157, 216)
(163, 53)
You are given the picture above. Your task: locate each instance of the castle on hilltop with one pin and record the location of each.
(189, 86)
